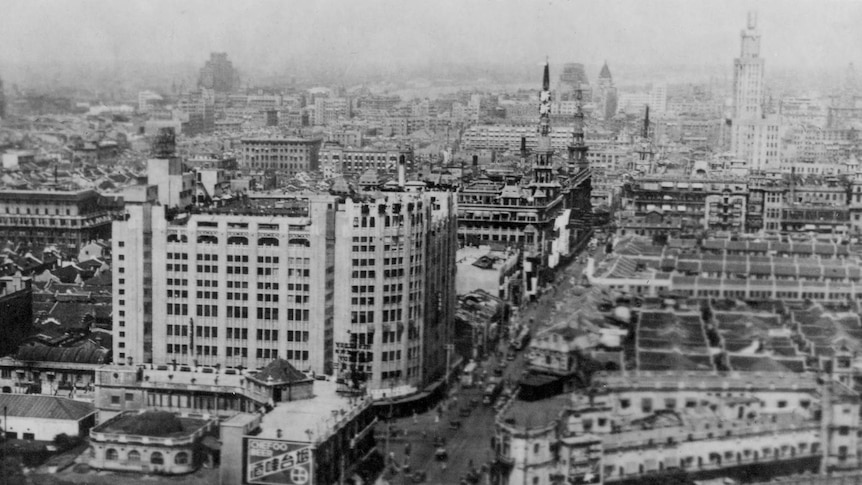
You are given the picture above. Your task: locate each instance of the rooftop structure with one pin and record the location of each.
(631, 424)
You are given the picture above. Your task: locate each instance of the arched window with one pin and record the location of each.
(112, 454)
(134, 455)
(182, 458)
(267, 241)
(299, 242)
(238, 240)
(207, 239)
(157, 459)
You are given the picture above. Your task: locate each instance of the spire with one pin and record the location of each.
(752, 20)
(646, 123)
(545, 104)
(546, 81)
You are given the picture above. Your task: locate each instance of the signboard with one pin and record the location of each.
(278, 462)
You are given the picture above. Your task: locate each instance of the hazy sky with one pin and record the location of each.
(270, 33)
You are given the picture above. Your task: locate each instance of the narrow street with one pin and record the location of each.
(470, 444)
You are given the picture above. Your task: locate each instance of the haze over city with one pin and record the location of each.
(475, 242)
(283, 37)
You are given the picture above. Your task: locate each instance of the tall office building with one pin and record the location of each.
(755, 138)
(219, 74)
(2, 101)
(362, 286)
(572, 79)
(748, 74)
(607, 94)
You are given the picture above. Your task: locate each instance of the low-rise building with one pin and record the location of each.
(151, 442)
(323, 438)
(41, 418)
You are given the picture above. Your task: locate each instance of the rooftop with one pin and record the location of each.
(308, 419)
(534, 414)
(160, 424)
(44, 407)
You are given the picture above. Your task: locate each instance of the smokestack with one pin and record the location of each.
(475, 165)
(523, 147)
(401, 175)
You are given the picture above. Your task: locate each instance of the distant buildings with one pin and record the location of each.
(287, 156)
(606, 98)
(337, 160)
(2, 101)
(218, 74)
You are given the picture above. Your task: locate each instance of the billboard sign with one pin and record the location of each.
(277, 462)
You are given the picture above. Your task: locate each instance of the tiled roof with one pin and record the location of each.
(281, 372)
(44, 407)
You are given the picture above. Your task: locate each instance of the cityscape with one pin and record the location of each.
(487, 242)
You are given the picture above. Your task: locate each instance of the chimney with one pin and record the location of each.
(523, 147)
(401, 175)
(475, 165)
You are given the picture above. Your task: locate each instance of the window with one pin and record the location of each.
(31, 436)
(134, 455)
(182, 458)
(115, 399)
(157, 459)
(130, 397)
(111, 455)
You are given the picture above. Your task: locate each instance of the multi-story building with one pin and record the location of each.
(242, 284)
(654, 205)
(632, 425)
(790, 272)
(755, 138)
(395, 301)
(218, 74)
(284, 155)
(48, 217)
(2, 101)
(607, 94)
(542, 211)
(16, 301)
(337, 160)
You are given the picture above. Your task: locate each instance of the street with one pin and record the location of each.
(470, 445)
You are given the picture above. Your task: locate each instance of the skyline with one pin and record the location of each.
(274, 36)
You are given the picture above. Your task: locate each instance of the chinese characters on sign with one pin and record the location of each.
(278, 462)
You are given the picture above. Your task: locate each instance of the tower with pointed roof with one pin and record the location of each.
(607, 94)
(543, 169)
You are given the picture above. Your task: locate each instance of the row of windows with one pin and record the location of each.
(156, 458)
(178, 309)
(236, 352)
